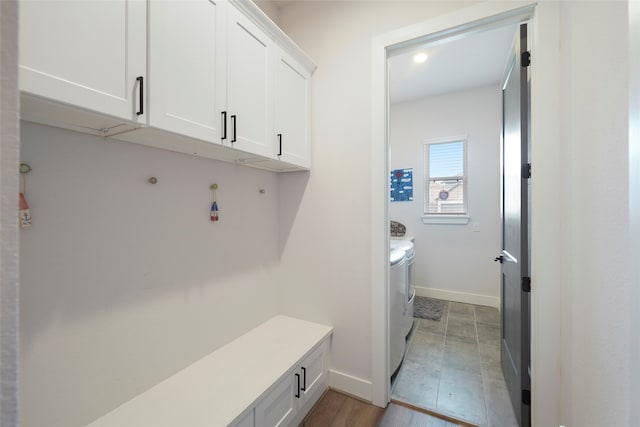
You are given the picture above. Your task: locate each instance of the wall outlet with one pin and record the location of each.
(475, 227)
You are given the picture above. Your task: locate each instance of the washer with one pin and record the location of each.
(410, 256)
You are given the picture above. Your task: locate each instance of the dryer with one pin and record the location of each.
(397, 307)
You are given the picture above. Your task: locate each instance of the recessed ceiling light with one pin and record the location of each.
(419, 58)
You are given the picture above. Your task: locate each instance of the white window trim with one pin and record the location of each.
(437, 218)
(446, 219)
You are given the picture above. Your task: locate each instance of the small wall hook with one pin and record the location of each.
(214, 215)
(25, 212)
(153, 180)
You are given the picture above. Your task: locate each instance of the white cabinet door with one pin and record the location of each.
(278, 408)
(187, 66)
(90, 54)
(291, 102)
(249, 86)
(313, 371)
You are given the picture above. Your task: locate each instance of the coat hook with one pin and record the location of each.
(262, 191)
(215, 213)
(25, 212)
(153, 180)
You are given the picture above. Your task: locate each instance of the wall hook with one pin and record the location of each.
(25, 212)
(25, 168)
(214, 214)
(153, 180)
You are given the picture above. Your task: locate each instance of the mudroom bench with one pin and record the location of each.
(270, 376)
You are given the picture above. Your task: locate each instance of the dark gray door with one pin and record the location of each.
(514, 257)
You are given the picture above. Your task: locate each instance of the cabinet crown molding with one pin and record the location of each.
(255, 14)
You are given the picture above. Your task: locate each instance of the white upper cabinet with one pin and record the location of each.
(88, 54)
(187, 67)
(291, 110)
(212, 78)
(249, 86)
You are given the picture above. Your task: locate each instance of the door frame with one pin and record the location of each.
(545, 131)
(634, 193)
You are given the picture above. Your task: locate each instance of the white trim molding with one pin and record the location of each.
(456, 296)
(634, 198)
(349, 384)
(446, 219)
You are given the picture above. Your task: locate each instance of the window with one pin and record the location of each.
(445, 165)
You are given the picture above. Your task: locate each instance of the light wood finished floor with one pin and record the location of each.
(339, 410)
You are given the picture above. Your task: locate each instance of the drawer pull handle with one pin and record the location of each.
(280, 152)
(298, 386)
(233, 122)
(304, 379)
(224, 125)
(140, 81)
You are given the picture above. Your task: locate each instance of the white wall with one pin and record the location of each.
(326, 258)
(124, 282)
(441, 249)
(596, 286)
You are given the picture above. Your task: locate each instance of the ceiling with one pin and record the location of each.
(472, 61)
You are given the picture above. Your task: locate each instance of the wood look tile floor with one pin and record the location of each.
(452, 367)
(339, 410)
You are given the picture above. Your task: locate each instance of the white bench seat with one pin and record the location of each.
(223, 386)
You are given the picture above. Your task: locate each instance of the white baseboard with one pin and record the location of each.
(458, 296)
(350, 385)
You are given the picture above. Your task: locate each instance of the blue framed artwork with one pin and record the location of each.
(402, 185)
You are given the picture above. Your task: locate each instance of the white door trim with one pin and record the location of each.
(545, 331)
(634, 196)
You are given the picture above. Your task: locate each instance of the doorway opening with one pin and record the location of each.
(452, 365)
